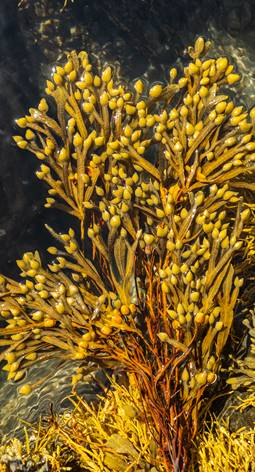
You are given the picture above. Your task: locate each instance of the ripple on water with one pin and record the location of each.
(53, 391)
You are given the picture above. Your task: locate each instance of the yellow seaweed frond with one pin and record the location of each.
(221, 450)
(110, 435)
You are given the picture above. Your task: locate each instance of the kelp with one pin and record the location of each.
(148, 280)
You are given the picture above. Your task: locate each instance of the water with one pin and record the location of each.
(142, 38)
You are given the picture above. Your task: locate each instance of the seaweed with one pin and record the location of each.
(157, 180)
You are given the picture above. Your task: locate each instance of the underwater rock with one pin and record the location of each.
(238, 411)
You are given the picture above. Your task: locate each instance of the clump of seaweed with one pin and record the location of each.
(113, 436)
(147, 281)
(110, 435)
(38, 452)
(221, 450)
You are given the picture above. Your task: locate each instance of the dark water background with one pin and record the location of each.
(142, 38)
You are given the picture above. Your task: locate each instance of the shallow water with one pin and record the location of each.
(50, 394)
(141, 38)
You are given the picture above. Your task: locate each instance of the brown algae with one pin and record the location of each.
(158, 181)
